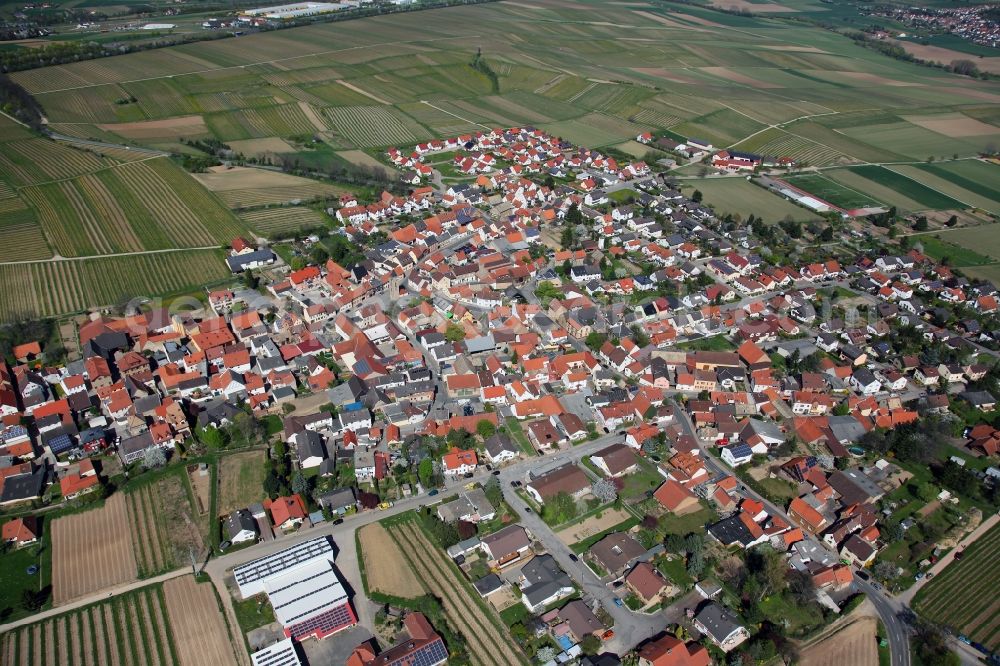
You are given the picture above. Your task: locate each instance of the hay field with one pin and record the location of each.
(241, 481)
(738, 196)
(385, 565)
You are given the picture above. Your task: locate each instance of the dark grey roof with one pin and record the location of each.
(488, 584)
(239, 262)
(338, 498)
(731, 530)
(240, 520)
(23, 486)
(719, 621)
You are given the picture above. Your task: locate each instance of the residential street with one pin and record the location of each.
(888, 608)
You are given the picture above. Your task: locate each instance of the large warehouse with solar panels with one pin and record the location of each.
(303, 587)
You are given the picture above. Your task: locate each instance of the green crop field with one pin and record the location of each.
(974, 181)
(831, 191)
(939, 248)
(895, 188)
(60, 287)
(969, 246)
(66, 198)
(963, 596)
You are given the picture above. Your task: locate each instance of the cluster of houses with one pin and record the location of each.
(976, 24)
(519, 151)
(439, 327)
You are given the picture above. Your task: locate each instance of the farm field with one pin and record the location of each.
(830, 191)
(23, 235)
(478, 622)
(893, 189)
(201, 634)
(362, 84)
(853, 644)
(283, 222)
(103, 534)
(974, 181)
(148, 205)
(386, 567)
(64, 197)
(963, 596)
(243, 187)
(969, 246)
(241, 481)
(63, 287)
(148, 539)
(738, 196)
(128, 630)
(923, 195)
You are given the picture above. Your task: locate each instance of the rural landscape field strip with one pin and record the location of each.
(103, 534)
(930, 198)
(964, 595)
(276, 222)
(386, 567)
(63, 287)
(480, 628)
(201, 636)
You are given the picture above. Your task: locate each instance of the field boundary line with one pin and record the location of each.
(57, 259)
(89, 173)
(932, 189)
(466, 120)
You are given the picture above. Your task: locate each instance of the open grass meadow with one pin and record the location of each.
(737, 196)
(963, 596)
(966, 247)
(592, 72)
(61, 287)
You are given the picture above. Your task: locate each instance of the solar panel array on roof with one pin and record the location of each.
(429, 655)
(250, 576)
(281, 653)
(60, 444)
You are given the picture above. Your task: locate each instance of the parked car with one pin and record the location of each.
(433, 492)
(573, 558)
(527, 509)
(496, 472)
(863, 575)
(618, 602)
